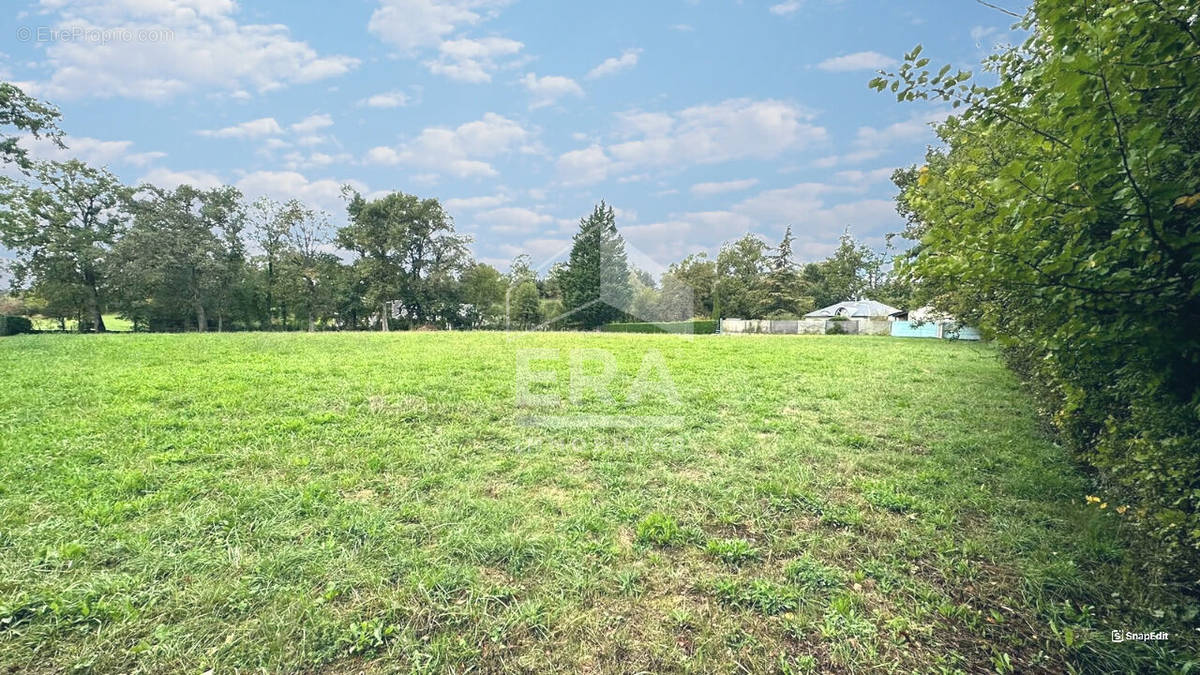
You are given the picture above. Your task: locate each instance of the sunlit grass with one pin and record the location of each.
(371, 501)
(112, 322)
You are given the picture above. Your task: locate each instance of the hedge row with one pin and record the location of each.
(11, 325)
(697, 327)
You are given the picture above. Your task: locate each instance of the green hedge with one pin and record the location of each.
(697, 327)
(11, 325)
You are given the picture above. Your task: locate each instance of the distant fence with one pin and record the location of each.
(697, 327)
(930, 329)
(807, 326)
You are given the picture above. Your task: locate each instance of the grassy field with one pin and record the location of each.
(349, 502)
(112, 322)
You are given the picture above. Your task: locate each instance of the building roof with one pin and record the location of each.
(854, 309)
(923, 314)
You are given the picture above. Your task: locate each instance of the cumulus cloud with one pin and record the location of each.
(590, 165)
(548, 89)
(476, 203)
(511, 219)
(460, 151)
(387, 99)
(264, 126)
(312, 123)
(472, 60)
(808, 207)
(856, 61)
(166, 178)
(178, 46)
(89, 150)
(323, 193)
(410, 25)
(616, 64)
(708, 134)
(872, 142)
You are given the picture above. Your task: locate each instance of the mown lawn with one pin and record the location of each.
(351, 502)
(112, 322)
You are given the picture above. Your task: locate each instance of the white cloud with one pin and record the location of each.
(872, 142)
(476, 203)
(912, 129)
(785, 8)
(298, 160)
(472, 60)
(708, 134)
(166, 178)
(460, 151)
(183, 45)
(816, 223)
(382, 155)
(541, 250)
(387, 99)
(864, 178)
(682, 27)
(590, 165)
(513, 219)
(548, 89)
(616, 64)
(856, 61)
(707, 189)
(312, 123)
(264, 126)
(412, 24)
(324, 193)
(89, 150)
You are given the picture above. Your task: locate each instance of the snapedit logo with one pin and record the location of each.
(1133, 636)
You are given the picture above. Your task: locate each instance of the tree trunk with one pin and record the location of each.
(220, 323)
(384, 315)
(94, 303)
(270, 295)
(201, 320)
(312, 322)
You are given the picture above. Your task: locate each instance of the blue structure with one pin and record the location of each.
(947, 330)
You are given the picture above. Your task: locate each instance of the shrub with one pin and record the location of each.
(697, 327)
(11, 325)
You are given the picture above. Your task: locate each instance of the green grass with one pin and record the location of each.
(379, 502)
(112, 323)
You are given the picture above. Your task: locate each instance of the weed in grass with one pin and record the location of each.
(887, 496)
(732, 551)
(812, 574)
(763, 595)
(658, 529)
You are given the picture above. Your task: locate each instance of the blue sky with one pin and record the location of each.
(699, 120)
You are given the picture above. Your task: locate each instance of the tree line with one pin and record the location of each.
(196, 259)
(1061, 214)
